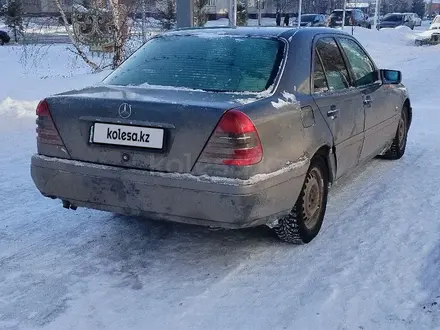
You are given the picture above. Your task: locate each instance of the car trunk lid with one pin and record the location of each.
(168, 128)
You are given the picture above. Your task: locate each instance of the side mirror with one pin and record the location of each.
(390, 76)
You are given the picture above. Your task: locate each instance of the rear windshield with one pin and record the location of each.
(338, 14)
(393, 18)
(206, 61)
(308, 18)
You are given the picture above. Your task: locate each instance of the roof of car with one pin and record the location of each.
(285, 32)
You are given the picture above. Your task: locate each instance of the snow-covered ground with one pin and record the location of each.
(375, 264)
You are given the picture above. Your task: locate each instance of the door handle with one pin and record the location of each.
(333, 112)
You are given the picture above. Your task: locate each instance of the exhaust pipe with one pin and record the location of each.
(68, 205)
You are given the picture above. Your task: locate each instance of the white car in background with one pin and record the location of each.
(435, 24)
(430, 36)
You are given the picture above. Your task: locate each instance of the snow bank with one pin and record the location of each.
(16, 108)
(399, 36)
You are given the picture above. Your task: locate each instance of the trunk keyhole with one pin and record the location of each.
(125, 157)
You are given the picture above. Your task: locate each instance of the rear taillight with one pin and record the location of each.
(46, 131)
(235, 141)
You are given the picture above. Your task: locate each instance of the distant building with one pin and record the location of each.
(435, 7)
(43, 7)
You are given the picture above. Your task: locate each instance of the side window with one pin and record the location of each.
(333, 63)
(361, 66)
(319, 81)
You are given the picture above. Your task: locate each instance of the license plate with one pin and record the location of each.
(338, 22)
(130, 136)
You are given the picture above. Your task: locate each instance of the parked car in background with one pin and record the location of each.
(314, 20)
(4, 37)
(435, 25)
(394, 20)
(430, 36)
(223, 127)
(416, 18)
(353, 17)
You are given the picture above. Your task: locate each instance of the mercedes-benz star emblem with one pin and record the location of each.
(124, 110)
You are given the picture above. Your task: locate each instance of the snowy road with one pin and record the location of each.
(375, 264)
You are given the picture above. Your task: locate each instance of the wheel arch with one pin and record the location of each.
(328, 154)
(407, 106)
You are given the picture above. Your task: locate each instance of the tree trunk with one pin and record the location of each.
(120, 33)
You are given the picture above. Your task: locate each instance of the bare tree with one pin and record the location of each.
(167, 13)
(418, 7)
(120, 30)
(200, 13)
(395, 6)
(75, 42)
(111, 28)
(315, 6)
(241, 13)
(14, 17)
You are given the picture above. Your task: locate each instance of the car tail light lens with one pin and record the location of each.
(46, 131)
(235, 141)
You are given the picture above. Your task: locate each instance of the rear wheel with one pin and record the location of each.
(398, 147)
(303, 223)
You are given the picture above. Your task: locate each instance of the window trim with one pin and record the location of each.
(348, 64)
(316, 54)
(312, 80)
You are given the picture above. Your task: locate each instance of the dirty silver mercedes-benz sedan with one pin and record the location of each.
(223, 127)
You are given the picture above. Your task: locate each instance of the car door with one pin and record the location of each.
(339, 103)
(408, 21)
(381, 114)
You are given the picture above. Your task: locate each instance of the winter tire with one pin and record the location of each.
(398, 147)
(303, 223)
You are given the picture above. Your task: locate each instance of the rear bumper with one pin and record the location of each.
(211, 201)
